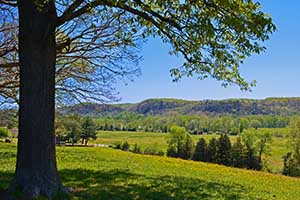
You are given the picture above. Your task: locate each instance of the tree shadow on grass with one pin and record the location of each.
(123, 185)
(5, 178)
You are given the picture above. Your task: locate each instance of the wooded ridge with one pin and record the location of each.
(239, 107)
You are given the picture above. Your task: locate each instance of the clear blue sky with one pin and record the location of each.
(277, 71)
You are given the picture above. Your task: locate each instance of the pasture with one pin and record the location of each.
(158, 140)
(103, 173)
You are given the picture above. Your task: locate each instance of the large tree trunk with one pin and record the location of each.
(36, 171)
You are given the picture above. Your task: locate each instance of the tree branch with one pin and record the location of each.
(11, 3)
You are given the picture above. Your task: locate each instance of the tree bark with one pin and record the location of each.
(36, 171)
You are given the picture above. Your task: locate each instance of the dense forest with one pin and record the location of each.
(230, 116)
(193, 124)
(238, 107)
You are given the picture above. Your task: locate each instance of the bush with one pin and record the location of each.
(291, 165)
(136, 148)
(188, 148)
(238, 154)
(176, 141)
(160, 153)
(4, 132)
(152, 150)
(118, 146)
(7, 140)
(212, 151)
(224, 150)
(126, 146)
(200, 153)
(88, 130)
(172, 152)
(252, 161)
(292, 159)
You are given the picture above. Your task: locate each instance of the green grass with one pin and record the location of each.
(158, 140)
(144, 139)
(103, 173)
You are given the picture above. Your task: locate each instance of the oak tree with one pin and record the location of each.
(213, 36)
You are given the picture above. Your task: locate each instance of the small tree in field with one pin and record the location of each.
(257, 143)
(126, 146)
(200, 153)
(176, 141)
(72, 131)
(188, 148)
(212, 151)
(294, 136)
(88, 131)
(224, 150)
(238, 154)
(137, 148)
(292, 159)
(252, 161)
(263, 144)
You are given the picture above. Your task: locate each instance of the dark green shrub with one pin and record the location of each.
(238, 154)
(224, 150)
(118, 146)
(200, 153)
(136, 148)
(188, 148)
(212, 151)
(150, 151)
(160, 153)
(172, 152)
(4, 132)
(291, 166)
(126, 146)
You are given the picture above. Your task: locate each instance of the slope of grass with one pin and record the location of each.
(158, 140)
(102, 173)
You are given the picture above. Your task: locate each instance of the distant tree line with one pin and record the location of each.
(203, 124)
(198, 124)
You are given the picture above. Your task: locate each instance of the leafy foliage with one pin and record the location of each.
(200, 153)
(88, 130)
(180, 143)
(257, 142)
(125, 146)
(188, 149)
(4, 132)
(73, 134)
(292, 159)
(224, 150)
(212, 151)
(238, 154)
(240, 107)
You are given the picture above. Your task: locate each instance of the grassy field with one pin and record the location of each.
(158, 140)
(107, 174)
(144, 139)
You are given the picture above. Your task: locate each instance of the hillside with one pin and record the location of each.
(269, 106)
(101, 173)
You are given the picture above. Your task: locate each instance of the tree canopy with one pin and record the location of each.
(74, 49)
(98, 42)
